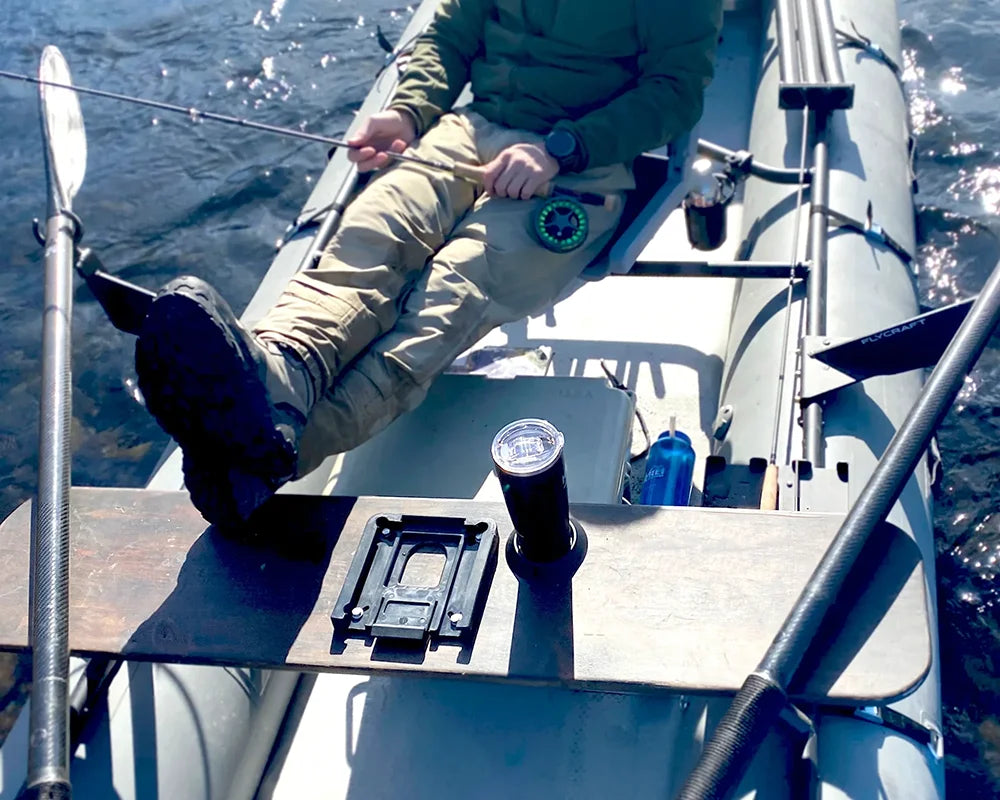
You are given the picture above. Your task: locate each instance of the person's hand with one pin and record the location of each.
(519, 171)
(385, 131)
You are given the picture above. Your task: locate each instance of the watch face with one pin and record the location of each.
(560, 143)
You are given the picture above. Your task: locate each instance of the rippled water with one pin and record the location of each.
(163, 196)
(952, 64)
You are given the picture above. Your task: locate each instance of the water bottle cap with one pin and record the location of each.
(679, 435)
(527, 446)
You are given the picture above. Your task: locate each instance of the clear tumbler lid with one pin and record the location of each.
(527, 446)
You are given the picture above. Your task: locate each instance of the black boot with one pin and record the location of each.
(236, 407)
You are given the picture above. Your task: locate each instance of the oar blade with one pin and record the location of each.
(62, 123)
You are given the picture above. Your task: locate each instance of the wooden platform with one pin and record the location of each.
(680, 599)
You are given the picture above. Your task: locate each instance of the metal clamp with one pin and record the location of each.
(36, 227)
(923, 731)
(819, 379)
(804, 487)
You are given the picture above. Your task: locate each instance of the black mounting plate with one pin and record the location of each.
(377, 601)
(816, 96)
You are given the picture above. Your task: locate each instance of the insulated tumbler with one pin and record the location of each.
(528, 460)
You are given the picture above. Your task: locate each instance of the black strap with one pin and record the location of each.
(911, 162)
(862, 42)
(869, 229)
(890, 719)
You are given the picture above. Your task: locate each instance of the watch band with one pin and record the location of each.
(564, 147)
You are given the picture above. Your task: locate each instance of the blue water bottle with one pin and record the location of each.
(669, 469)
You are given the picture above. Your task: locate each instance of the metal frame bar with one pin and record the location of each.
(816, 285)
(718, 269)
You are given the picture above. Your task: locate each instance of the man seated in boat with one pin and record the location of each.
(424, 263)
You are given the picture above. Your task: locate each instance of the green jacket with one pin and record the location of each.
(624, 75)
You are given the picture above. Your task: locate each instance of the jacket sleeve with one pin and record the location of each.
(439, 67)
(674, 67)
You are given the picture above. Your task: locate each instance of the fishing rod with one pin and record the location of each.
(470, 172)
(66, 164)
(769, 489)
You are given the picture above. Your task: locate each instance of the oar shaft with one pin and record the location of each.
(759, 701)
(886, 483)
(48, 750)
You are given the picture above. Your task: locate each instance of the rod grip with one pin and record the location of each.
(476, 173)
(470, 172)
(734, 742)
(769, 491)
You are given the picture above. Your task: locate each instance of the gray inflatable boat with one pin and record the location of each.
(770, 317)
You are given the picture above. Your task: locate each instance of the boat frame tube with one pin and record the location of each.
(816, 283)
(808, 47)
(787, 60)
(745, 163)
(826, 32)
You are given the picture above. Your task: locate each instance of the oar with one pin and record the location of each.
(763, 694)
(66, 163)
(470, 172)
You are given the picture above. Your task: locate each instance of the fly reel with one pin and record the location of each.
(560, 224)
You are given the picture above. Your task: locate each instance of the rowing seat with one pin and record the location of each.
(442, 448)
(661, 181)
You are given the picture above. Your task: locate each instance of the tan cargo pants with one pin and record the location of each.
(422, 266)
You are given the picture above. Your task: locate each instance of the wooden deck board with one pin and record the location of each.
(679, 599)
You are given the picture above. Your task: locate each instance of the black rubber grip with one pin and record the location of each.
(735, 740)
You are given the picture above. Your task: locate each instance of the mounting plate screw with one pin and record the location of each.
(455, 618)
(357, 612)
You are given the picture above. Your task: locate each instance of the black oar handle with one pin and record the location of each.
(736, 739)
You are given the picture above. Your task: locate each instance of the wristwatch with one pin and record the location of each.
(563, 146)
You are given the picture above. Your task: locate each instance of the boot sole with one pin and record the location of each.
(201, 383)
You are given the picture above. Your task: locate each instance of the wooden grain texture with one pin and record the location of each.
(680, 599)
